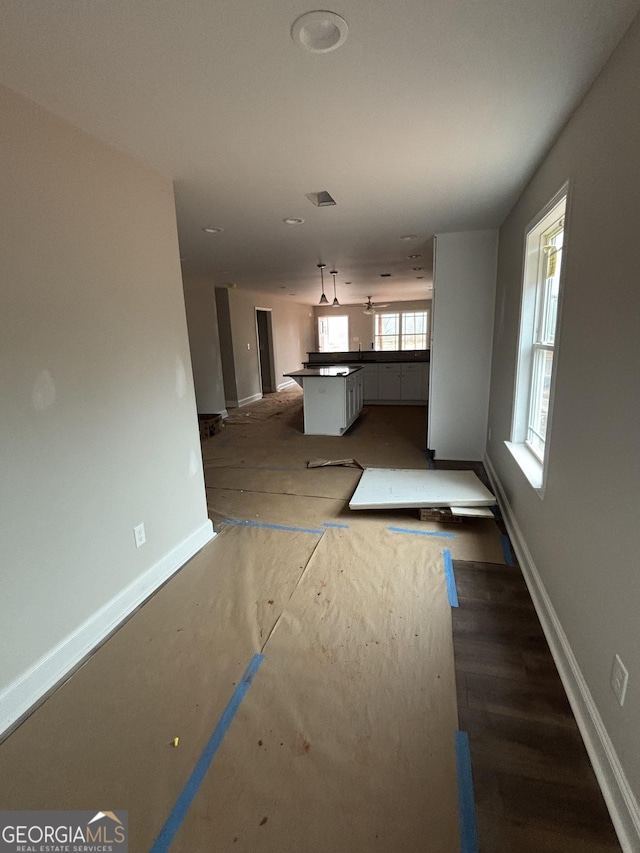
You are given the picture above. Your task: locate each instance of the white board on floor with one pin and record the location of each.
(396, 488)
(472, 511)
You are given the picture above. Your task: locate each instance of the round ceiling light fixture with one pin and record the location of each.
(320, 32)
(409, 237)
(209, 229)
(292, 220)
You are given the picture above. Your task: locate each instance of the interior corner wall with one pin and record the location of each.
(99, 430)
(204, 343)
(583, 537)
(293, 337)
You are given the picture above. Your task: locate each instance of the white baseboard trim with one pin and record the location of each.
(246, 401)
(288, 384)
(27, 691)
(224, 413)
(619, 797)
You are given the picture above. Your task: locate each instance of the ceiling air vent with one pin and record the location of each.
(321, 199)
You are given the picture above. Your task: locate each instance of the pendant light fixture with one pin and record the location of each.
(323, 298)
(335, 303)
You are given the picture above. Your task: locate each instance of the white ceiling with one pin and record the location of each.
(430, 118)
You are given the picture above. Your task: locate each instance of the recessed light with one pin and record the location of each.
(409, 237)
(348, 282)
(283, 287)
(385, 275)
(417, 269)
(293, 294)
(320, 32)
(210, 229)
(413, 257)
(419, 276)
(293, 221)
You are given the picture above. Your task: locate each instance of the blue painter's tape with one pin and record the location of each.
(452, 592)
(466, 807)
(174, 821)
(506, 549)
(423, 532)
(268, 526)
(335, 524)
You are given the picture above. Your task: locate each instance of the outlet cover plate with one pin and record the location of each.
(139, 535)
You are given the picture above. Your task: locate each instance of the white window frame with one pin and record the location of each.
(401, 329)
(525, 443)
(326, 318)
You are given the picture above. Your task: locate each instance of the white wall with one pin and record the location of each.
(583, 537)
(293, 336)
(361, 325)
(98, 427)
(204, 342)
(464, 284)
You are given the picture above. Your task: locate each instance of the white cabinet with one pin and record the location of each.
(396, 382)
(389, 382)
(331, 403)
(371, 390)
(414, 384)
(461, 340)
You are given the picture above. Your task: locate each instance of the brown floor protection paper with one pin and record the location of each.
(345, 741)
(104, 739)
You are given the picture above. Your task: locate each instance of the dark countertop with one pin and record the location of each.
(331, 371)
(368, 357)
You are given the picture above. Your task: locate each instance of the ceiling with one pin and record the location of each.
(430, 118)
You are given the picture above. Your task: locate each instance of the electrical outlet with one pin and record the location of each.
(619, 678)
(139, 535)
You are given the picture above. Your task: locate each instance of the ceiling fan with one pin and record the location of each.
(370, 307)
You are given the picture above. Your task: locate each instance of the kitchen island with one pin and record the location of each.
(332, 397)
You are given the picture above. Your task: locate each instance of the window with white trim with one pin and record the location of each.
(541, 293)
(333, 333)
(401, 330)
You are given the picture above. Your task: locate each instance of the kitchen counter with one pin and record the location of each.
(367, 357)
(332, 397)
(327, 370)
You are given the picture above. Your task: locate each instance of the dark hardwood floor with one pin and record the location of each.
(535, 790)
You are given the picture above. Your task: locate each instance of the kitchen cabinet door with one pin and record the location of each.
(415, 382)
(389, 381)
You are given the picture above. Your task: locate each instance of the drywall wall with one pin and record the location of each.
(583, 536)
(463, 306)
(204, 342)
(293, 336)
(99, 429)
(361, 325)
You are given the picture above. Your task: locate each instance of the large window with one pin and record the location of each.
(401, 330)
(538, 337)
(333, 333)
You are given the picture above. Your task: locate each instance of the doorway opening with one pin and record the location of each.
(266, 356)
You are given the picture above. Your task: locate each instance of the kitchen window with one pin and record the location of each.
(540, 308)
(401, 330)
(333, 333)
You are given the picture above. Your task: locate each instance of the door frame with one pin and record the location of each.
(271, 386)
